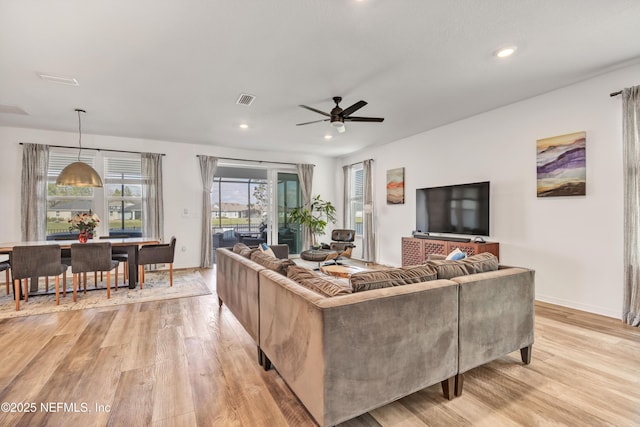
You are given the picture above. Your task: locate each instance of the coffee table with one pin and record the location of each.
(343, 271)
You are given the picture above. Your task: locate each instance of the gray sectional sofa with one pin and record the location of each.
(347, 354)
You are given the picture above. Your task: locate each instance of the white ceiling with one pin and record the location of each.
(173, 69)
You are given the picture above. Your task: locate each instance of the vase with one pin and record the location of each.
(83, 236)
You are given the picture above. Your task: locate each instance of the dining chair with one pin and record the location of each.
(122, 257)
(5, 266)
(162, 253)
(35, 261)
(91, 257)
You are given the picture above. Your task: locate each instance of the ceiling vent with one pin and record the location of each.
(245, 99)
(69, 81)
(12, 109)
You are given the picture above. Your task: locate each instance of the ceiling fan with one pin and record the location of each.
(338, 116)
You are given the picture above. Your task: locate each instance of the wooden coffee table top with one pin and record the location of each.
(344, 271)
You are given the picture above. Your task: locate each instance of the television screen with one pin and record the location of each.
(457, 209)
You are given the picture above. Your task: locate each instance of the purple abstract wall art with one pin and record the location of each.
(561, 165)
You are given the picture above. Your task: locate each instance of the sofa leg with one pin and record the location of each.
(219, 302)
(266, 363)
(459, 382)
(448, 387)
(260, 357)
(525, 353)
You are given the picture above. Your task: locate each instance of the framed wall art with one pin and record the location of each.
(395, 186)
(561, 165)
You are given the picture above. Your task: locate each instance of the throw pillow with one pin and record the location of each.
(369, 280)
(456, 254)
(275, 264)
(265, 249)
(324, 285)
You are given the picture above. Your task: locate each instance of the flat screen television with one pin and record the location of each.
(455, 209)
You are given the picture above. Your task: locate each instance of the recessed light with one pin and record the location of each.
(505, 52)
(328, 136)
(244, 126)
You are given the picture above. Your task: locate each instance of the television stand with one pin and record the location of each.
(416, 251)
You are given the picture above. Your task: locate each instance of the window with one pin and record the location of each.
(121, 207)
(355, 199)
(64, 202)
(123, 195)
(239, 204)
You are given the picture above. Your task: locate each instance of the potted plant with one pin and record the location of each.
(315, 216)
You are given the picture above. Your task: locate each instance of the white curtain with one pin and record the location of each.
(305, 176)
(208, 166)
(35, 164)
(631, 142)
(368, 223)
(152, 200)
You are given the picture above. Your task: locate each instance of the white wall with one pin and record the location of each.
(575, 244)
(182, 181)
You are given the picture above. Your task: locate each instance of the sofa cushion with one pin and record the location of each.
(474, 264)
(324, 285)
(275, 264)
(244, 250)
(481, 263)
(394, 277)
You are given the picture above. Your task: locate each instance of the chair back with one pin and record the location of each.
(35, 261)
(86, 257)
(157, 254)
(343, 235)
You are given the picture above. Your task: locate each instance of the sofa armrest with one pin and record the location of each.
(374, 346)
(496, 315)
(237, 283)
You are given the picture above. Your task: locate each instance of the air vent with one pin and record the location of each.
(12, 109)
(245, 99)
(69, 81)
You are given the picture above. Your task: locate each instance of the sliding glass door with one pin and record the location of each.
(252, 205)
(288, 197)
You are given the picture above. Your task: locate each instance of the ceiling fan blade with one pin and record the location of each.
(358, 105)
(315, 121)
(314, 110)
(364, 119)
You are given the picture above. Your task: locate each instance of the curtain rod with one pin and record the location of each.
(97, 149)
(615, 93)
(255, 161)
(361, 161)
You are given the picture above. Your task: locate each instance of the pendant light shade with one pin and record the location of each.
(79, 174)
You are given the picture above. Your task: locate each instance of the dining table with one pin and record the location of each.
(128, 245)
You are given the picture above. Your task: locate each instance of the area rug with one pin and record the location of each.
(186, 283)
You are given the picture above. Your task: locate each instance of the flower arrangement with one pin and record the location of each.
(84, 222)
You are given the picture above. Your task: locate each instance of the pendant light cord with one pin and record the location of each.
(79, 131)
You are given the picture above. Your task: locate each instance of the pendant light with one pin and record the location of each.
(79, 174)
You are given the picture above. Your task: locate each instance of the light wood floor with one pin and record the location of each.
(185, 363)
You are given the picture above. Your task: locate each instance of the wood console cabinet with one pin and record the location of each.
(416, 251)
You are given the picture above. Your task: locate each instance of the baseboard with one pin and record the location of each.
(582, 307)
